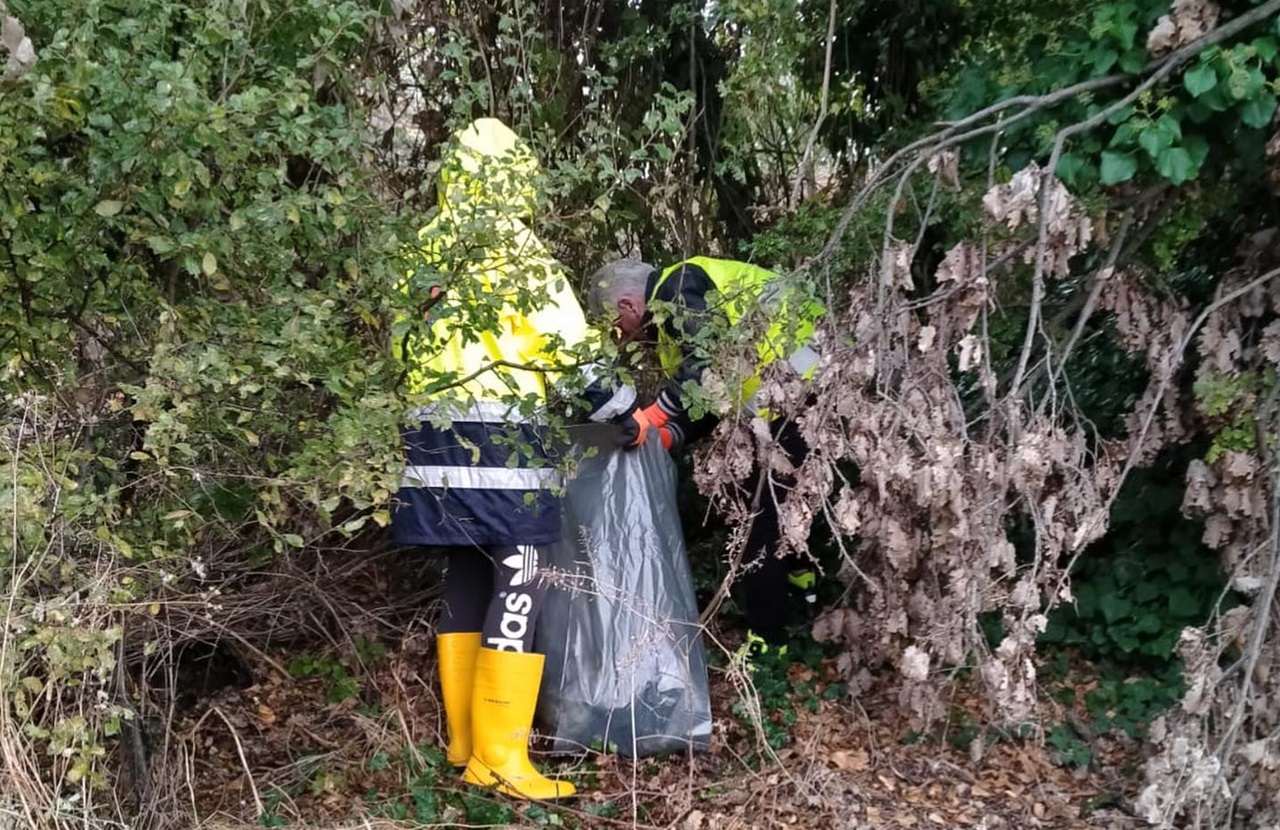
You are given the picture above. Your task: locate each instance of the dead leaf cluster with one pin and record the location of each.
(14, 41)
(923, 525)
(1187, 21)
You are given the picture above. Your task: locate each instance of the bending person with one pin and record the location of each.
(698, 302)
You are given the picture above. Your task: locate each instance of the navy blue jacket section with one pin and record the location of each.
(472, 516)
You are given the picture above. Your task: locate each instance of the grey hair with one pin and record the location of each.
(620, 278)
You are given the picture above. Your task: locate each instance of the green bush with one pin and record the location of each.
(1135, 592)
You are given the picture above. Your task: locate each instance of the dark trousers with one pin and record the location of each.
(497, 591)
(764, 582)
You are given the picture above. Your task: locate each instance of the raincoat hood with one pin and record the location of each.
(488, 168)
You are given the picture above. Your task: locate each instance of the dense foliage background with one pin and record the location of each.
(1048, 234)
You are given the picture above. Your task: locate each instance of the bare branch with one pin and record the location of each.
(1099, 282)
(959, 132)
(806, 158)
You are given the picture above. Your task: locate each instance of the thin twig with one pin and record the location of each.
(1263, 606)
(806, 158)
(1099, 282)
(244, 762)
(958, 132)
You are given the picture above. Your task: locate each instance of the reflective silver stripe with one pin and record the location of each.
(481, 478)
(481, 411)
(804, 360)
(621, 401)
(591, 372)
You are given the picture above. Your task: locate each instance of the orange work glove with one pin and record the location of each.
(636, 430)
(658, 418)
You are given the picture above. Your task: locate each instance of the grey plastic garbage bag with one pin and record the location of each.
(625, 666)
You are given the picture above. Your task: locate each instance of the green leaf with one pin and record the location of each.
(1103, 59)
(1183, 603)
(1176, 165)
(1266, 48)
(1125, 135)
(1200, 80)
(1115, 607)
(293, 539)
(1121, 115)
(1069, 167)
(1160, 135)
(1126, 32)
(1170, 127)
(1117, 167)
(1134, 60)
(1199, 112)
(1257, 111)
(1198, 146)
(160, 245)
(108, 207)
(1151, 141)
(1148, 624)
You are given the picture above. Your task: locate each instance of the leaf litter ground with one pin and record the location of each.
(283, 752)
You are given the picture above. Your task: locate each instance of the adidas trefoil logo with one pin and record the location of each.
(524, 563)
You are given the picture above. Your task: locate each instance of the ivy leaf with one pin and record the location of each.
(1182, 603)
(1169, 126)
(1160, 135)
(1265, 48)
(1133, 60)
(1200, 80)
(1115, 606)
(1103, 59)
(1121, 115)
(1117, 167)
(1125, 134)
(1257, 111)
(1198, 146)
(1176, 165)
(1199, 112)
(1069, 167)
(108, 207)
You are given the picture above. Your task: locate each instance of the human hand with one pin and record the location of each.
(636, 429)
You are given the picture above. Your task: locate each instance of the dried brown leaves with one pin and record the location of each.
(1068, 231)
(924, 525)
(926, 520)
(1187, 21)
(16, 44)
(1218, 754)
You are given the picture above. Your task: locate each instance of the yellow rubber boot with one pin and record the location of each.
(506, 694)
(457, 652)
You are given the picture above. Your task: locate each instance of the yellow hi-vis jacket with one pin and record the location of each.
(701, 287)
(477, 472)
(521, 309)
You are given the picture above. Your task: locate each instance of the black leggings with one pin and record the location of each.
(765, 580)
(494, 590)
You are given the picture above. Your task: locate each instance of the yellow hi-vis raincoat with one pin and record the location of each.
(493, 340)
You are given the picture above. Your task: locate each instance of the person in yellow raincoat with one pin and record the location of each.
(698, 301)
(495, 323)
